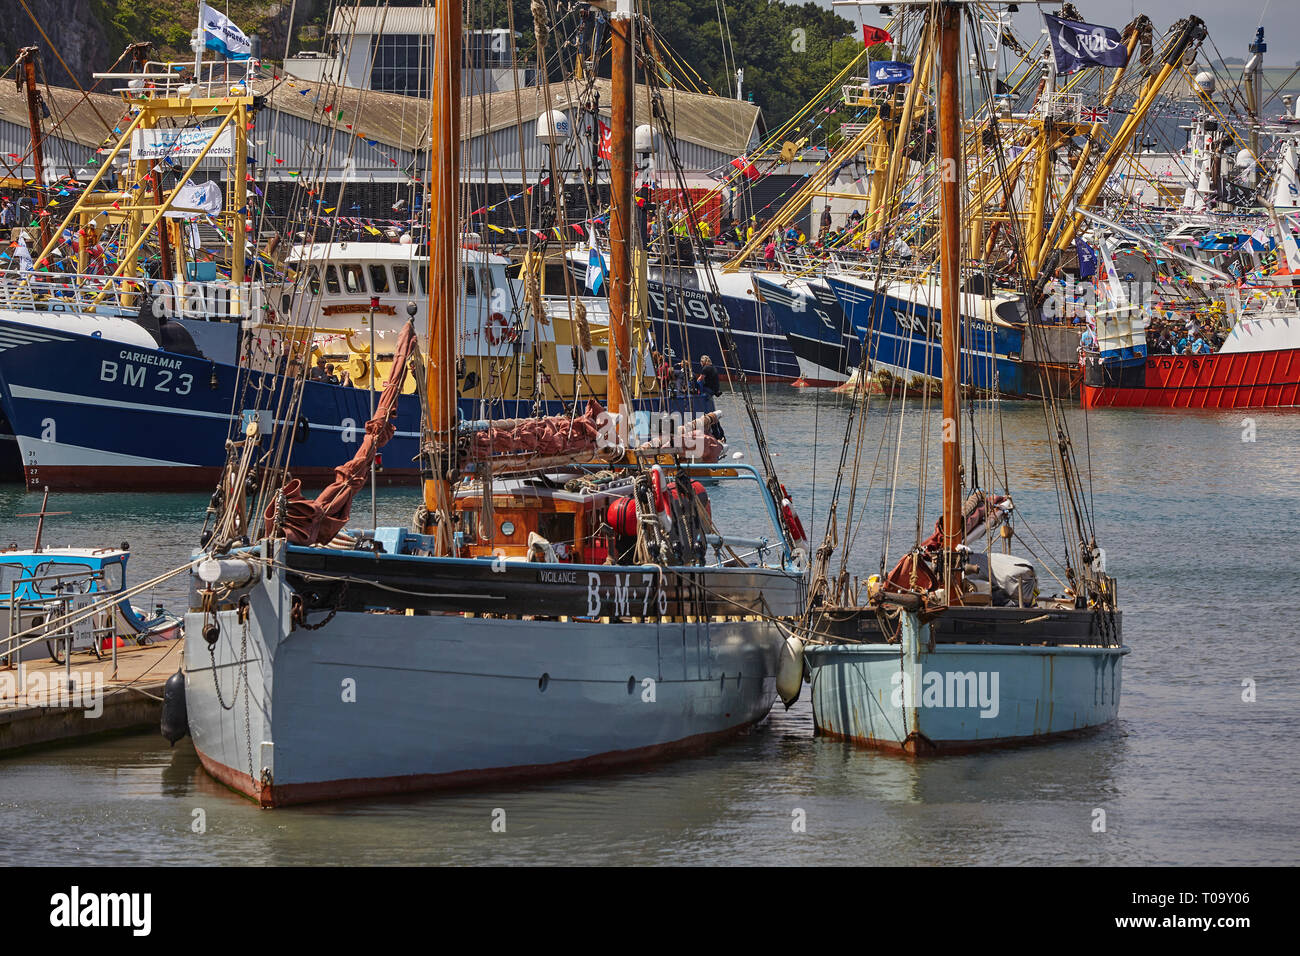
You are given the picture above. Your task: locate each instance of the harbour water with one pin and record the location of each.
(1197, 512)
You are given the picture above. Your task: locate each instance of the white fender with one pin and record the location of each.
(789, 671)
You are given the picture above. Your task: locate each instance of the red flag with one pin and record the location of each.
(606, 140)
(746, 167)
(872, 35)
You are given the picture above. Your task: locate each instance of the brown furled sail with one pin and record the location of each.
(317, 522)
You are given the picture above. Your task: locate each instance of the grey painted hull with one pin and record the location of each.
(381, 703)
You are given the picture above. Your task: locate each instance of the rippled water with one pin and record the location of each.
(1199, 527)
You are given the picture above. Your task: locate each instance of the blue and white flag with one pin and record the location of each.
(221, 36)
(888, 72)
(595, 267)
(22, 254)
(1087, 259)
(1077, 45)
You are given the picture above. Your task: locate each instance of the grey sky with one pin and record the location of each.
(1231, 23)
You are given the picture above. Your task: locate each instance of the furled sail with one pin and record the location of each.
(318, 521)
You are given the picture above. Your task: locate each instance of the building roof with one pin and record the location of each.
(85, 120)
(715, 122)
(395, 120)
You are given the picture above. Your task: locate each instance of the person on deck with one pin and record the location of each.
(319, 372)
(769, 254)
(707, 381)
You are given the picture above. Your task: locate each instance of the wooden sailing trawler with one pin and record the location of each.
(954, 649)
(511, 634)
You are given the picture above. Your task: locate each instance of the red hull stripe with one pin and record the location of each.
(279, 795)
(1231, 380)
(915, 748)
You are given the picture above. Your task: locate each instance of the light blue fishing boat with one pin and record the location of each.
(955, 649)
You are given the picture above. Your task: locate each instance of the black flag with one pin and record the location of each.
(1077, 45)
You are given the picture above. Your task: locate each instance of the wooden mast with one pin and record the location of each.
(444, 268)
(950, 165)
(620, 218)
(27, 57)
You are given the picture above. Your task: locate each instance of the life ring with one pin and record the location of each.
(494, 320)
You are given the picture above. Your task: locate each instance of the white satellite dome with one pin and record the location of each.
(1205, 81)
(644, 139)
(1245, 158)
(553, 128)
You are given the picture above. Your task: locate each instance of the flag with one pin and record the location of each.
(874, 35)
(1087, 259)
(605, 145)
(746, 167)
(595, 266)
(221, 36)
(889, 72)
(23, 255)
(1078, 45)
(1095, 115)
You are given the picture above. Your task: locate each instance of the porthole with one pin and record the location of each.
(508, 528)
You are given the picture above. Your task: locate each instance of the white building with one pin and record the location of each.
(389, 49)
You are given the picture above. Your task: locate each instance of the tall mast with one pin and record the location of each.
(950, 165)
(620, 200)
(444, 266)
(27, 57)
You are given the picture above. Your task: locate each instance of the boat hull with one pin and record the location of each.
(686, 318)
(1254, 379)
(918, 698)
(93, 414)
(373, 703)
(902, 338)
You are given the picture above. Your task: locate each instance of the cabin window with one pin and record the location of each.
(471, 288)
(424, 276)
(402, 280)
(313, 280)
(378, 278)
(73, 578)
(508, 529)
(114, 576)
(553, 280)
(602, 359)
(353, 279)
(332, 280)
(9, 573)
(556, 528)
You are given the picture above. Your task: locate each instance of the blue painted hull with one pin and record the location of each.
(686, 320)
(905, 339)
(816, 327)
(94, 414)
(961, 697)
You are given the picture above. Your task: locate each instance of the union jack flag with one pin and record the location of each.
(1095, 115)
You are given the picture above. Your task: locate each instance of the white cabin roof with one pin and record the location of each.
(335, 252)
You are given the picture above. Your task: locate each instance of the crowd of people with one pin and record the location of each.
(679, 379)
(1166, 336)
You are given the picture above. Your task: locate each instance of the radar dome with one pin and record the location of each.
(1205, 81)
(553, 128)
